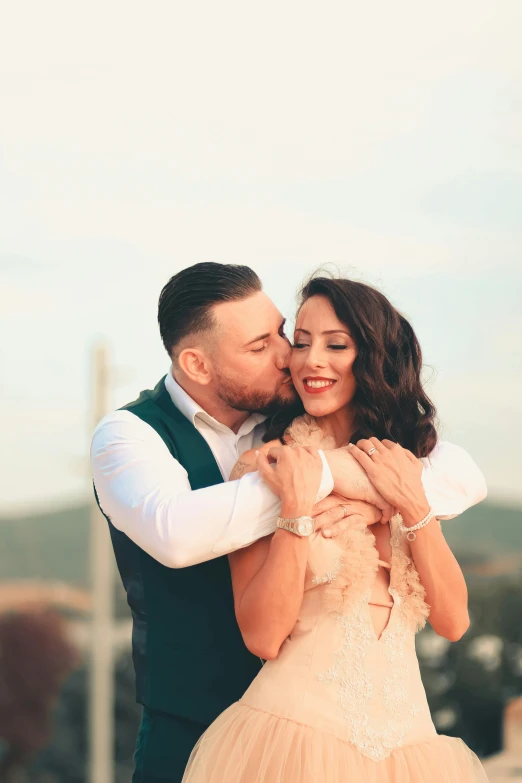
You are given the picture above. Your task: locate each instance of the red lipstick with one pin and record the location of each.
(320, 389)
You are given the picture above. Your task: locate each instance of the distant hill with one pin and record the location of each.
(485, 532)
(56, 545)
(53, 545)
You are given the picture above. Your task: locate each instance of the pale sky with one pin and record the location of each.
(137, 139)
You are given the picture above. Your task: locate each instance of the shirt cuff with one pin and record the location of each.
(327, 483)
(452, 481)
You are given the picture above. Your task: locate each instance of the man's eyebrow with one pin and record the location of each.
(264, 336)
(328, 331)
(257, 339)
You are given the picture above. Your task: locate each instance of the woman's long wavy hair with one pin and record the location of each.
(389, 401)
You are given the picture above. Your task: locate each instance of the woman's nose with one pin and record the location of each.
(315, 357)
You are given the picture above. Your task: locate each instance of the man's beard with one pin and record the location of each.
(241, 398)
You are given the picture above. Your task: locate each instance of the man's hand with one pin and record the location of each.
(294, 474)
(247, 463)
(332, 514)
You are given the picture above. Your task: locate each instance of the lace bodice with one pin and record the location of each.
(335, 671)
(369, 673)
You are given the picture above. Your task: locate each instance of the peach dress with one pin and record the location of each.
(343, 702)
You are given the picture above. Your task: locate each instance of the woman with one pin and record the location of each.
(340, 699)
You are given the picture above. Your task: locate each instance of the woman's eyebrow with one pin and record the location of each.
(328, 331)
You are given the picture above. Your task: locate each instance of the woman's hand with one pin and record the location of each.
(332, 514)
(396, 474)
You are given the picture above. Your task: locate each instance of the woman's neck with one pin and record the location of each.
(338, 425)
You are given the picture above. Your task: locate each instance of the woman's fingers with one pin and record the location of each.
(366, 445)
(330, 501)
(391, 445)
(328, 513)
(376, 443)
(362, 457)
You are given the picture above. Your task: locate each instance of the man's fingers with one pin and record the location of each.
(263, 465)
(275, 453)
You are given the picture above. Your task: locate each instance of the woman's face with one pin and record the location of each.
(322, 358)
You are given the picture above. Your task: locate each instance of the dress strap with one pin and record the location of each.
(387, 604)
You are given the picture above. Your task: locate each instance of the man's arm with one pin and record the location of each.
(146, 494)
(452, 481)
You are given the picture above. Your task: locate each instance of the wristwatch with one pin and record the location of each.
(301, 526)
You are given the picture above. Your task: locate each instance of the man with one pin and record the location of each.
(159, 467)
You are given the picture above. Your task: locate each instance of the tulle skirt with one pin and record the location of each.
(246, 745)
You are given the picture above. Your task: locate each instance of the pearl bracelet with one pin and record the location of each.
(411, 535)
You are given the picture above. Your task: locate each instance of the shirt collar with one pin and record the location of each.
(193, 411)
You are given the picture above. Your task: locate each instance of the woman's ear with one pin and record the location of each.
(195, 365)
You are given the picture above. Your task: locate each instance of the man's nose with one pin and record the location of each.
(283, 354)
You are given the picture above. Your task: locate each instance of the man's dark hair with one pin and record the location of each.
(186, 301)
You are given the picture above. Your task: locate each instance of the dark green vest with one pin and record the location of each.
(189, 656)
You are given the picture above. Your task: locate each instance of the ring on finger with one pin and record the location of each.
(372, 451)
(345, 510)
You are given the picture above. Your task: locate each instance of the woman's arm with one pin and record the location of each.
(351, 483)
(452, 481)
(268, 584)
(397, 475)
(441, 577)
(268, 577)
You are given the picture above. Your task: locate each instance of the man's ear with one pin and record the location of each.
(196, 365)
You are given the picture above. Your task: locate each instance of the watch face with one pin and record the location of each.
(305, 528)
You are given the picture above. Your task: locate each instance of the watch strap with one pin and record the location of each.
(292, 525)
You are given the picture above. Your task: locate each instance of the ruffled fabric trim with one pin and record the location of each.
(405, 580)
(357, 564)
(305, 431)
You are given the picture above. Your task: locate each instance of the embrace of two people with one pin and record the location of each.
(274, 509)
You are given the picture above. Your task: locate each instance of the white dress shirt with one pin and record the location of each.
(146, 493)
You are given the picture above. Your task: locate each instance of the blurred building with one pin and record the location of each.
(506, 767)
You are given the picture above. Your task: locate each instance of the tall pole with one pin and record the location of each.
(101, 691)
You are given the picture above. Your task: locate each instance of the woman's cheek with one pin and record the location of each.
(294, 363)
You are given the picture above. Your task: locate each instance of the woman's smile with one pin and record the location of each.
(321, 365)
(314, 385)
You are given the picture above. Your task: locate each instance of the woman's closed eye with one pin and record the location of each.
(334, 347)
